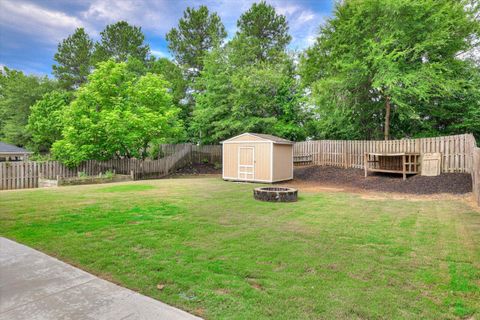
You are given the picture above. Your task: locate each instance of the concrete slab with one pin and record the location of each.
(36, 286)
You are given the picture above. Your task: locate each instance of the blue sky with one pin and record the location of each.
(31, 30)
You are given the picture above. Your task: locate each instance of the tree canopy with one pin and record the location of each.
(250, 84)
(262, 35)
(198, 31)
(380, 61)
(121, 41)
(377, 69)
(117, 114)
(45, 123)
(74, 60)
(18, 92)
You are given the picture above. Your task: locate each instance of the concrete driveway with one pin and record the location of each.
(36, 286)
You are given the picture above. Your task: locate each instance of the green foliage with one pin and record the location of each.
(262, 35)
(73, 59)
(261, 98)
(117, 114)
(250, 84)
(18, 92)
(82, 174)
(45, 122)
(108, 174)
(178, 85)
(196, 34)
(406, 52)
(121, 41)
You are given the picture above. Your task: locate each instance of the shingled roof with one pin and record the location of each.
(6, 148)
(271, 138)
(268, 137)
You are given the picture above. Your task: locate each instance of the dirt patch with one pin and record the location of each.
(198, 168)
(452, 183)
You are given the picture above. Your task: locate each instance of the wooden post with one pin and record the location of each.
(365, 165)
(404, 167)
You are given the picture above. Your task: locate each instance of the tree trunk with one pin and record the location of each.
(386, 129)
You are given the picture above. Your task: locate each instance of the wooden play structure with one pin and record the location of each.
(402, 162)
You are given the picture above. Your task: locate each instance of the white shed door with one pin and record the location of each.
(246, 163)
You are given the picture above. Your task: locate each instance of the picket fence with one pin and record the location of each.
(456, 151)
(25, 174)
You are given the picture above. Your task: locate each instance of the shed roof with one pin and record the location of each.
(11, 149)
(268, 137)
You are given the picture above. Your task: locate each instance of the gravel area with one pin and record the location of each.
(198, 168)
(455, 183)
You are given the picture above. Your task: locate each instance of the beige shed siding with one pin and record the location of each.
(273, 158)
(282, 162)
(230, 160)
(262, 160)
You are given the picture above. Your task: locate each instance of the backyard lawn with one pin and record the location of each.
(207, 247)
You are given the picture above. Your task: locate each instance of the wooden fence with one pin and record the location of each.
(25, 174)
(476, 174)
(456, 150)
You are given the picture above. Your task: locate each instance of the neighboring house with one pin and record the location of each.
(9, 152)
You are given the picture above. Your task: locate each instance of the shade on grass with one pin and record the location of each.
(221, 254)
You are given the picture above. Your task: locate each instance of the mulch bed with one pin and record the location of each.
(455, 183)
(198, 168)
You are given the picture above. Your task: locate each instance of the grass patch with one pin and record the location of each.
(127, 188)
(217, 252)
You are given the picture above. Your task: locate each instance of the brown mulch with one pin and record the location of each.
(455, 183)
(198, 168)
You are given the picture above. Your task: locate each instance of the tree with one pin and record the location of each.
(18, 92)
(178, 85)
(196, 34)
(45, 122)
(250, 84)
(117, 114)
(262, 35)
(73, 59)
(378, 61)
(263, 98)
(121, 41)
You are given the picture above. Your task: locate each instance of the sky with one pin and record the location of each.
(31, 30)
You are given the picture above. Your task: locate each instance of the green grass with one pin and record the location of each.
(222, 255)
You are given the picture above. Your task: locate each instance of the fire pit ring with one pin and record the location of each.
(275, 194)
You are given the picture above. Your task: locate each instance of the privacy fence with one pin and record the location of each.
(456, 151)
(459, 153)
(26, 174)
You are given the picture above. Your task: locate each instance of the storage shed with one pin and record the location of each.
(257, 157)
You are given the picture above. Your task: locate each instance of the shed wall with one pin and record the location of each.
(282, 162)
(262, 160)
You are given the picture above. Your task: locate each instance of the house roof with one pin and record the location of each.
(268, 137)
(6, 148)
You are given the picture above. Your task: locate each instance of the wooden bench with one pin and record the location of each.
(403, 163)
(302, 159)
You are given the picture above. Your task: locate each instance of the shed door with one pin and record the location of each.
(246, 163)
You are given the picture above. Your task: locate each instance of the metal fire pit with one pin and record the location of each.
(275, 194)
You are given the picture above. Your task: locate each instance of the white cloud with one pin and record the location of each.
(49, 25)
(160, 53)
(158, 16)
(303, 23)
